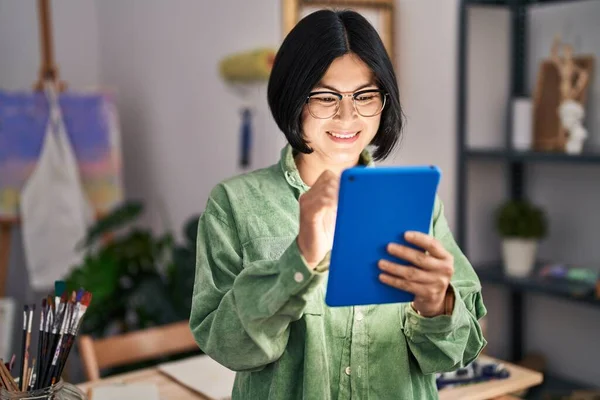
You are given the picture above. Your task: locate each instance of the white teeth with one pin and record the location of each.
(343, 136)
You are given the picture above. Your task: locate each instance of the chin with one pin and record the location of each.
(345, 156)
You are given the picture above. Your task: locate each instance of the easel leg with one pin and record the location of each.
(5, 241)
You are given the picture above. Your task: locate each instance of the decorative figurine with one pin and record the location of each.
(573, 81)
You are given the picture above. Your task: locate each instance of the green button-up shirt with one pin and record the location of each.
(258, 310)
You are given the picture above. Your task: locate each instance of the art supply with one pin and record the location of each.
(61, 316)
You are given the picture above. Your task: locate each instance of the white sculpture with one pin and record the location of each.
(571, 112)
(571, 115)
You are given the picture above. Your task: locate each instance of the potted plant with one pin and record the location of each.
(522, 225)
(138, 278)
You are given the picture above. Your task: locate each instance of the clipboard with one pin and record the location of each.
(376, 206)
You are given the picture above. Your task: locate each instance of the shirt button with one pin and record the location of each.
(359, 316)
(298, 277)
(347, 371)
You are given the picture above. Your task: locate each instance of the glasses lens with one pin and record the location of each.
(369, 104)
(323, 105)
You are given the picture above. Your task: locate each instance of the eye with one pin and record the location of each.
(324, 98)
(327, 99)
(367, 97)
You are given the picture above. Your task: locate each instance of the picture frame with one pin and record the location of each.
(380, 13)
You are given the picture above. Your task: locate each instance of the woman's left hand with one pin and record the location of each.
(428, 279)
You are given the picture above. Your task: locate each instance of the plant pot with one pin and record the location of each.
(519, 256)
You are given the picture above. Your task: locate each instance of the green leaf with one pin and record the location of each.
(118, 218)
(519, 218)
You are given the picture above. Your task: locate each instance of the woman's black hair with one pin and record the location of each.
(304, 57)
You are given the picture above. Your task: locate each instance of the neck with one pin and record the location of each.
(310, 167)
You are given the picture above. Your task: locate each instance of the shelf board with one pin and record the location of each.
(492, 273)
(531, 156)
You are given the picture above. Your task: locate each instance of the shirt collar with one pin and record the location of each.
(292, 175)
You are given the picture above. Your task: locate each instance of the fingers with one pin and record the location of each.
(406, 272)
(328, 182)
(323, 194)
(423, 293)
(428, 243)
(415, 257)
(399, 283)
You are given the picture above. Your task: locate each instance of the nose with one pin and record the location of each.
(347, 110)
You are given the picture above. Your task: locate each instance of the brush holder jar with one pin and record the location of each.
(60, 391)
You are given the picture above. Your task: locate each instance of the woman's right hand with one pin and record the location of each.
(318, 208)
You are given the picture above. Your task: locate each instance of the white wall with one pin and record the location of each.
(75, 31)
(180, 121)
(426, 46)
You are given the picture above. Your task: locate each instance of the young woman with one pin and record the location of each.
(264, 242)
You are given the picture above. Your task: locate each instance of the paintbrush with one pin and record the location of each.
(53, 337)
(67, 342)
(8, 381)
(25, 377)
(31, 377)
(83, 302)
(9, 365)
(47, 324)
(23, 344)
(69, 307)
(43, 314)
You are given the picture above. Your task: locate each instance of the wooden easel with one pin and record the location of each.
(48, 71)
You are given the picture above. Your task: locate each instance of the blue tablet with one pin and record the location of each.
(376, 206)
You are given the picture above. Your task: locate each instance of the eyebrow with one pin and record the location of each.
(321, 85)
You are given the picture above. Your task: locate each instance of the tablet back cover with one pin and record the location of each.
(376, 207)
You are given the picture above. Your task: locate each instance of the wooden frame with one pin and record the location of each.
(547, 131)
(293, 11)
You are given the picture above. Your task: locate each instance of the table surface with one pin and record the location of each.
(520, 378)
(169, 389)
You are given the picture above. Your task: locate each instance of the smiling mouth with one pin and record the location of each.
(345, 135)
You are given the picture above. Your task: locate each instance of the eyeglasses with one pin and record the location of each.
(368, 103)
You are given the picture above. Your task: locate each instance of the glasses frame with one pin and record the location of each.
(341, 96)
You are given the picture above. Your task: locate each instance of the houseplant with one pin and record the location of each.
(521, 225)
(138, 278)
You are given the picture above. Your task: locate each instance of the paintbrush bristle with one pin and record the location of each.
(44, 303)
(80, 294)
(59, 288)
(73, 297)
(86, 299)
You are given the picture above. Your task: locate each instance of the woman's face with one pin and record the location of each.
(340, 139)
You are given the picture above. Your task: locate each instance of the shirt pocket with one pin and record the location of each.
(315, 303)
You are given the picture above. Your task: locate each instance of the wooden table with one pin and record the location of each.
(168, 388)
(520, 378)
